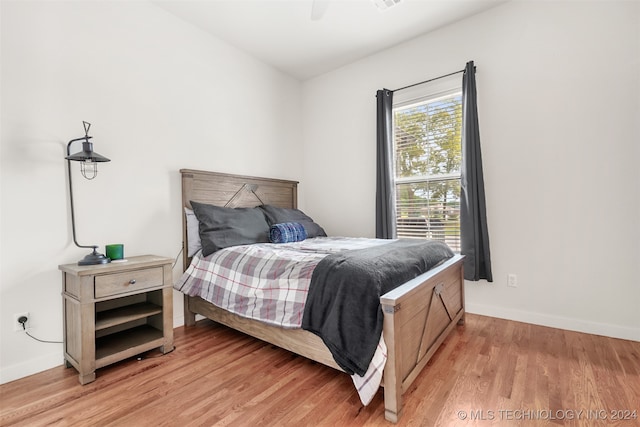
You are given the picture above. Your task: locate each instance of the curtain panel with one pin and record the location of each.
(473, 218)
(385, 190)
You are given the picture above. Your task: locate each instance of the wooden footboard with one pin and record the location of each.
(418, 316)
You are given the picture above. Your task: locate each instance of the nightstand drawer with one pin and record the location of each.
(129, 281)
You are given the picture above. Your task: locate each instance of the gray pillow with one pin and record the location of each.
(276, 215)
(223, 227)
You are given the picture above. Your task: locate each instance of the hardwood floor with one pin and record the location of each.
(490, 371)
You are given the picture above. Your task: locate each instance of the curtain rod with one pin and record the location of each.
(430, 80)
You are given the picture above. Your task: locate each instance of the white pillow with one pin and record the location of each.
(193, 233)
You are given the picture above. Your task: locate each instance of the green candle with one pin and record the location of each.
(115, 251)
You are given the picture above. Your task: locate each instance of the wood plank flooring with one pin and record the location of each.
(488, 372)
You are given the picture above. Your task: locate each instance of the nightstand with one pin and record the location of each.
(116, 311)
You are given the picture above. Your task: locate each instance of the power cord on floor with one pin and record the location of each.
(23, 320)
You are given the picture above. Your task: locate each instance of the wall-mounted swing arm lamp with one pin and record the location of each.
(89, 160)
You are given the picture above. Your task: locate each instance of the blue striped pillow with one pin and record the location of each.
(287, 232)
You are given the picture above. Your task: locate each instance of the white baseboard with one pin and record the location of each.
(178, 319)
(607, 330)
(30, 367)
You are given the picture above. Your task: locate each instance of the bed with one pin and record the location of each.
(417, 315)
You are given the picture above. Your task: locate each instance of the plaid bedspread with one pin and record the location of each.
(265, 281)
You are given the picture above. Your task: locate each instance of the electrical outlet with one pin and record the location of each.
(512, 281)
(17, 326)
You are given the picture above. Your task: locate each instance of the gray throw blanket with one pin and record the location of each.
(343, 304)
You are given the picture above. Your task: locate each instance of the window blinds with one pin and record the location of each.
(428, 154)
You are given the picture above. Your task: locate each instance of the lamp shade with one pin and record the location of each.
(87, 154)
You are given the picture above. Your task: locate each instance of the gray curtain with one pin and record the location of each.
(473, 218)
(385, 205)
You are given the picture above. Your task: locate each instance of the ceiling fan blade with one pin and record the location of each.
(385, 4)
(318, 9)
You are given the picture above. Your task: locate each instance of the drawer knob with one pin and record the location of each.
(132, 281)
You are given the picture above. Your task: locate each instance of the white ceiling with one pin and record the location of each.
(282, 33)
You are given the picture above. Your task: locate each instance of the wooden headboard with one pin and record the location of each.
(234, 191)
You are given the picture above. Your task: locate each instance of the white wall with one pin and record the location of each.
(559, 106)
(161, 96)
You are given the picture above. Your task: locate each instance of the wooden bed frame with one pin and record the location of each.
(418, 315)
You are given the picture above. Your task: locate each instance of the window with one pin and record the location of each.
(428, 155)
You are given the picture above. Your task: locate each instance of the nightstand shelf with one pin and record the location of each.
(124, 344)
(116, 311)
(129, 313)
